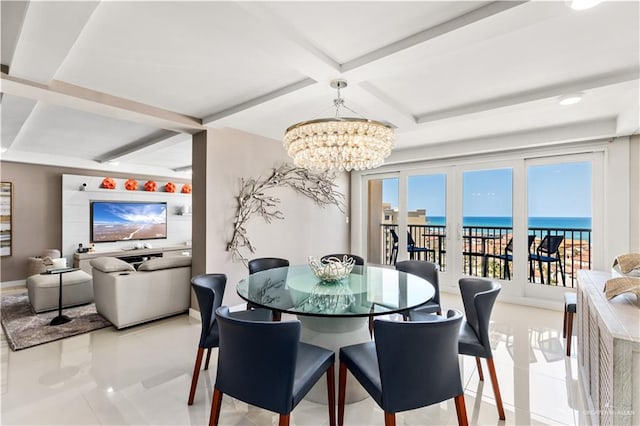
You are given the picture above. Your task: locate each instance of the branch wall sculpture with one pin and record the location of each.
(253, 200)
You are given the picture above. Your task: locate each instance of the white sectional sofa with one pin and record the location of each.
(125, 296)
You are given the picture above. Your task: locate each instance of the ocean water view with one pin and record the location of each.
(581, 223)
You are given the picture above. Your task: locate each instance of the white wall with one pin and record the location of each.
(75, 212)
(307, 229)
(634, 194)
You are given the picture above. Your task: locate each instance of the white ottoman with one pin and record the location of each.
(77, 289)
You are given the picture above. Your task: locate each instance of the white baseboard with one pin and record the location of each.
(14, 284)
(194, 314)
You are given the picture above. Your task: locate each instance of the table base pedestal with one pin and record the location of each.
(333, 333)
(61, 319)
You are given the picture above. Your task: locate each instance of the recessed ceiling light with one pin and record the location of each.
(571, 99)
(3, 149)
(113, 163)
(583, 4)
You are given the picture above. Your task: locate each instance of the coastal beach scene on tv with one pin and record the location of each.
(126, 221)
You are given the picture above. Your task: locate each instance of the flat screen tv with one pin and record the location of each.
(127, 221)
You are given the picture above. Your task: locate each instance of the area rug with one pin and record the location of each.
(24, 328)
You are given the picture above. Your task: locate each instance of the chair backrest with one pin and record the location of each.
(257, 361)
(530, 240)
(410, 241)
(424, 269)
(264, 263)
(478, 297)
(550, 244)
(418, 361)
(209, 290)
(359, 260)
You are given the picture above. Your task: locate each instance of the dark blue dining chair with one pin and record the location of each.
(479, 296)
(209, 290)
(409, 365)
(430, 272)
(264, 364)
(262, 264)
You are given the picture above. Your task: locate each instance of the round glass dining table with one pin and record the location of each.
(335, 313)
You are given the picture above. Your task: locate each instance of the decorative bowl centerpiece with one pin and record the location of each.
(332, 268)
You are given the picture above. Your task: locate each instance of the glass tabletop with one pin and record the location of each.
(368, 290)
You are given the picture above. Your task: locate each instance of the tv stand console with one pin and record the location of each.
(134, 257)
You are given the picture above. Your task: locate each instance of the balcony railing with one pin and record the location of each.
(485, 251)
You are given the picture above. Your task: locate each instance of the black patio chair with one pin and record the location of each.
(393, 258)
(549, 252)
(508, 256)
(412, 248)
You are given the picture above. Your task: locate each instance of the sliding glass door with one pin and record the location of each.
(495, 219)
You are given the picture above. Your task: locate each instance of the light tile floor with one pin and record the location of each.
(141, 376)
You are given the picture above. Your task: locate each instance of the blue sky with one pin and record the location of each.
(557, 190)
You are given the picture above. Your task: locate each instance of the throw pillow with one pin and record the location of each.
(111, 264)
(165, 263)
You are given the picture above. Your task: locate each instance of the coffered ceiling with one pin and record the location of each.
(84, 82)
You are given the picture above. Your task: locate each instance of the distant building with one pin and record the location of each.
(415, 217)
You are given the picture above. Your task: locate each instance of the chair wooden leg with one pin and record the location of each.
(496, 389)
(479, 365)
(206, 361)
(284, 419)
(194, 377)
(461, 410)
(216, 404)
(389, 419)
(342, 385)
(331, 395)
(569, 331)
(564, 322)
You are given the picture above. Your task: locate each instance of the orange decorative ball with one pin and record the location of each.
(186, 189)
(131, 185)
(108, 183)
(170, 187)
(150, 186)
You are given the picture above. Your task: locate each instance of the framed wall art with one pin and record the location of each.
(6, 211)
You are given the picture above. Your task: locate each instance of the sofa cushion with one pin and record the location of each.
(165, 263)
(111, 264)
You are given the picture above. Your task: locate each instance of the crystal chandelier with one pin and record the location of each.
(339, 143)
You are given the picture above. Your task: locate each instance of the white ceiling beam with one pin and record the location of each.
(210, 119)
(530, 138)
(276, 35)
(367, 94)
(384, 53)
(569, 87)
(137, 147)
(80, 98)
